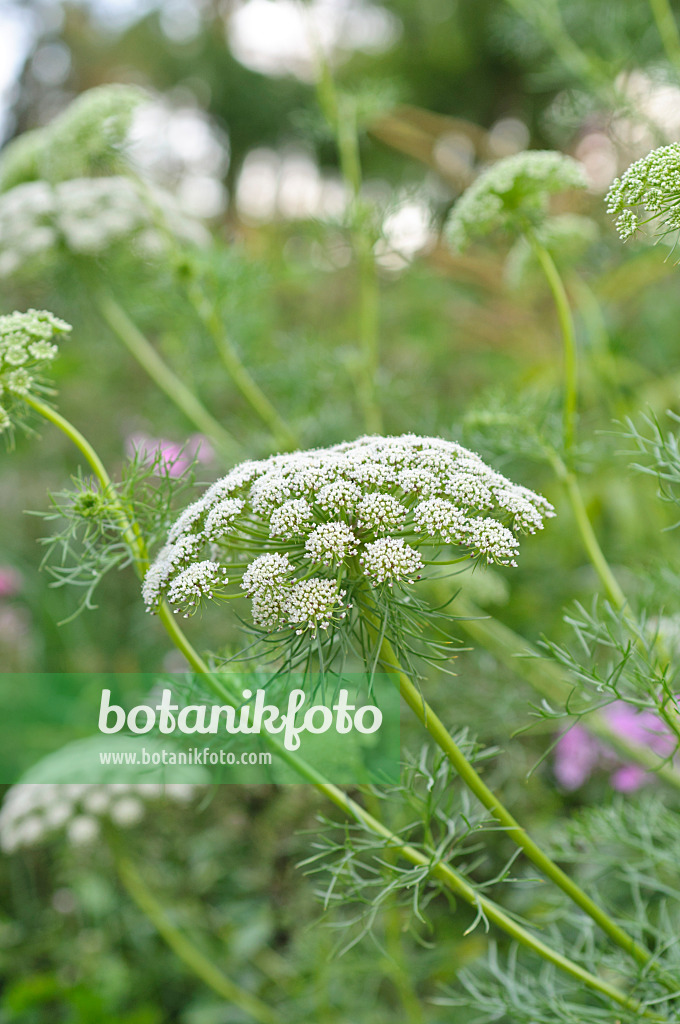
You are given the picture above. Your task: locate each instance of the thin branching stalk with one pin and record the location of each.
(240, 375)
(489, 910)
(161, 374)
(340, 112)
(185, 950)
(469, 775)
(554, 683)
(443, 872)
(283, 435)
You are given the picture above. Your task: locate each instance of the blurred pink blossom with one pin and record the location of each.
(169, 457)
(10, 581)
(578, 753)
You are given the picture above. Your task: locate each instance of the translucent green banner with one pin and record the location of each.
(186, 728)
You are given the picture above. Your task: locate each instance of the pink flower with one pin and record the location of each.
(168, 457)
(578, 754)
(10, 581)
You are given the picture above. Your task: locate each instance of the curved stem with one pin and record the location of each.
(587, 534)
(487, 908)
(128, 529)
(161, 374)
(240, 375)
(193, 957)
(422, 710)
(451, 878)
(568, 339)
(668, 29)
(568, 478)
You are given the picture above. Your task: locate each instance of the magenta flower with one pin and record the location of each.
(578, 754)
(168, 457)
(10, 581)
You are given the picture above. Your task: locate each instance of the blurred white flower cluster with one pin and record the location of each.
(648, 191)
(512, 195)
(87, 216)
(298, 532)
(33, 812)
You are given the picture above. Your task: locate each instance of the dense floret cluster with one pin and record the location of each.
(648, 191)
(512, 195)
(297, 533)
(26, 348)
(34, 812)
(86, 216)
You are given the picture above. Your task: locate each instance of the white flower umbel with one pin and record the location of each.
(303, 531)
(26, 349)
(35, 812)
(512, 195)
(648, 193)
(86, 216)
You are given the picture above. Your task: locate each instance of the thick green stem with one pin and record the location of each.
(568, 339)
(444, 872)
(253, 394)
(161, 374)
(193, 957)
(422, 710)
(668, 29)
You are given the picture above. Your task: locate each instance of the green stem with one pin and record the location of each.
(568, 478)
(129, 530)
(368, 314)
(439, 870)
(208, 315)
(668, 29)
(193, 957)
(240, 375)
(161, 374)
(553, 683)
(444, 872)
(424, 713)
(585, 529)
(665, 706)
(566, 322)
(341, 116)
